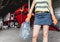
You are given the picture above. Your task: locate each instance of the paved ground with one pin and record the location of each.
(12, 35)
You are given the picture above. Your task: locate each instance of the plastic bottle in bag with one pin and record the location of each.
(25, 30)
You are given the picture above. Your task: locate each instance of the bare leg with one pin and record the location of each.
(35, 32)
(45, 33)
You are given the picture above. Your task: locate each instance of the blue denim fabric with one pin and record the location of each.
(42, 19)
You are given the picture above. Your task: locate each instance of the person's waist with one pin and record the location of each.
(41, 11)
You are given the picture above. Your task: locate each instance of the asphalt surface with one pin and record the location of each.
(12, 35)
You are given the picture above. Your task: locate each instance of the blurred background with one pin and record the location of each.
(14, 12)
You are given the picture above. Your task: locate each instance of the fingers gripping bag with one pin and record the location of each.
(24, 30)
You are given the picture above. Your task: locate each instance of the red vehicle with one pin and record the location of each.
(21, 13)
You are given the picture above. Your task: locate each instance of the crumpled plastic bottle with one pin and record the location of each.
(25, 30)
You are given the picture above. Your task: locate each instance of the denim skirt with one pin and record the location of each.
(42, 18)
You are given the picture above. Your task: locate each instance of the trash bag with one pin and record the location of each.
(24, 30)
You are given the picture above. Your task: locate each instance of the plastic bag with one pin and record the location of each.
(25, 30)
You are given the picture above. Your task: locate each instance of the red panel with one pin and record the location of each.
(51, 28)
(20, 18)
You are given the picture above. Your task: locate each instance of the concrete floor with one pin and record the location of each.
(12, 35)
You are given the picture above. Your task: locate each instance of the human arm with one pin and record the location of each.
(30, 11)
(52, 12)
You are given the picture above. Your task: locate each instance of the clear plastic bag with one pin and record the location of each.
(24, 30)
